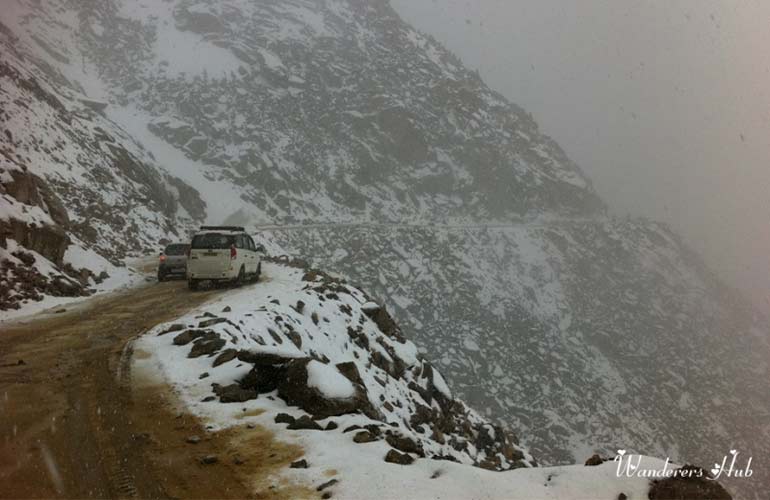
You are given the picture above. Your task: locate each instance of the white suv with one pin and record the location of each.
(223, 253)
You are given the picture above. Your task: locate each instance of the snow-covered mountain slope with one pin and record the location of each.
(580, 331)
(307, 350)
(585, 336)
(311, 109)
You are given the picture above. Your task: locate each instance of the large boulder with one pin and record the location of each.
(395, 457)
(404, 443)
(264, 378)
(270, 369)
(234, 393)
(295, 390)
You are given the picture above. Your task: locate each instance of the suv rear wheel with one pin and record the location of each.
(241, 277)
(258, 273)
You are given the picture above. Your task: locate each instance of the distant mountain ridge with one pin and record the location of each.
(580, 330)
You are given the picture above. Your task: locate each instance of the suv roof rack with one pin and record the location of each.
(222, 228)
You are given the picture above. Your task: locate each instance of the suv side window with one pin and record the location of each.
(239, 243)
(252, 246)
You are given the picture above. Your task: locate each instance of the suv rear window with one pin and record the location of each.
(176, 249)
(212, 241)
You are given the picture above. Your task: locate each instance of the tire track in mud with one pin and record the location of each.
(66, 407)
(119, 473)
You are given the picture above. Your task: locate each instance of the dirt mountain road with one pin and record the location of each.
(71, 426)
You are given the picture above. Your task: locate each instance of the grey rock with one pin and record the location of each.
(395, 457)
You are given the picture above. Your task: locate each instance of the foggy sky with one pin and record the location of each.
(664, 104)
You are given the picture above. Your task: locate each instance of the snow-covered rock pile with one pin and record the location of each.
(322, 365)
(324, 346)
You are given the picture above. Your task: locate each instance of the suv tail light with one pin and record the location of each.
(233, 252)
(162, 257)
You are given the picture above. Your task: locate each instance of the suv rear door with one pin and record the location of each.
(210, 253)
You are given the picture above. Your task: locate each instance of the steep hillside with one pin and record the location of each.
(322, 365)
(583, 335)
(135, 120)
(312, 110)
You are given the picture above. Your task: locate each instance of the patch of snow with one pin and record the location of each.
(329, 381)
(441, 385)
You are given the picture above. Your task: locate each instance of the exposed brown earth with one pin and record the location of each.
(71, 426)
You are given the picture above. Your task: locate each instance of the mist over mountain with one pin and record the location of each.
(370, 150)
(664, 99)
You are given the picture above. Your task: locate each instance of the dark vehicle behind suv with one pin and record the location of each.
(173, 261)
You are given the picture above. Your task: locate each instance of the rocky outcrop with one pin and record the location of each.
(30, 189)
(289, 377)
(48, 238)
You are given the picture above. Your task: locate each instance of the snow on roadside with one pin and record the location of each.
(118, 278)
(247, 320)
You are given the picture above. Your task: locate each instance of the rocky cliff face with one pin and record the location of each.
(584, 332)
